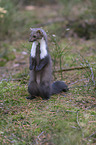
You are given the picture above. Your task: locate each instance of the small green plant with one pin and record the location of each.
(57, 54)
(6, 53)
(7, 10)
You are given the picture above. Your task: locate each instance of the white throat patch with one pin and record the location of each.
(33, 49)
(43, 48)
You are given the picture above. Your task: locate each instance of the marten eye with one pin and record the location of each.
(34, 36)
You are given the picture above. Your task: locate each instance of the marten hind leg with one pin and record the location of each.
(33, 90)
(45, 90)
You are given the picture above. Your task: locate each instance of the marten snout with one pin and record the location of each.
(32, 39)
(35, 37)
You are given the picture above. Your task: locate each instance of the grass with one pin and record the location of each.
(64, 119)
(55, 120)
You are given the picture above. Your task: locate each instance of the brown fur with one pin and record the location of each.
(41, 71)
(40, 82)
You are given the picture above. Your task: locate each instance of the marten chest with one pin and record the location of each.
(37, 63)
(38, 54)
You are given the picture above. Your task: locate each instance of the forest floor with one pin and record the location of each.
(65, 119)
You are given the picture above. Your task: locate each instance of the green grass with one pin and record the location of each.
(55, 120)
(64, 119)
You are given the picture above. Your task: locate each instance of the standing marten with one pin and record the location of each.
(41, 68)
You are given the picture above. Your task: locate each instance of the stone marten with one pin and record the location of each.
(41, 68)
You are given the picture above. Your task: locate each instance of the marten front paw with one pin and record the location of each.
(38, 68)
(30, 97)
(31, 67)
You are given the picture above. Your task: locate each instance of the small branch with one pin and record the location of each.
(78, 81)
(92, 75)
(70, 111)
(79, 124)
(41, 134)
(71, 68)
(92, 134)
(92, 122)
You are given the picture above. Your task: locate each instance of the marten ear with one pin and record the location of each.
(38, 31)
(31, 29)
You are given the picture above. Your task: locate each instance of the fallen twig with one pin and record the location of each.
(92, 134)
(92, 122)
(71, 68)
(78, 121)
(79, 124)
(40, 134)
(70, 111)
(78, 81)
(92, 74)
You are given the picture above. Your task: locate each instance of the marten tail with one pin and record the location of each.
(59, 86)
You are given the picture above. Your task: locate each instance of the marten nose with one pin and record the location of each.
(31, 39)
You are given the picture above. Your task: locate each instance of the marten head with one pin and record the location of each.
(36, 34)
